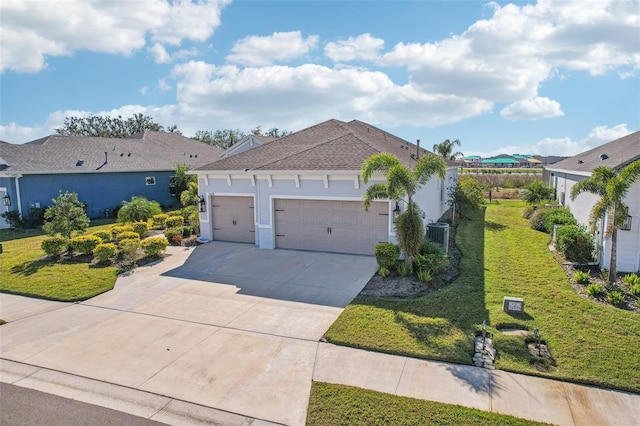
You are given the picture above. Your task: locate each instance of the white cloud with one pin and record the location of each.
(260, 51)
(163, 86)
(363, 47)
(532, 109)
(162, 56)
(32, 30)
(14, 133)
(143, 91)
(564, 146)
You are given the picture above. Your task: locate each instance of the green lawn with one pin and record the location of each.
(24, 270)
(502, 256)
(334, 405)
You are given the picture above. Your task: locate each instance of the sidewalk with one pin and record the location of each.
(498, 391)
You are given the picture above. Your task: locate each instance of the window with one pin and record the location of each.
(150, 180)
(626, 225)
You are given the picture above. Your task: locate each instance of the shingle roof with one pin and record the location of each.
(141, 152)
(331, 145)
(615, 154)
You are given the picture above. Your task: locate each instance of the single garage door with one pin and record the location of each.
(233, 219)
(327, 225)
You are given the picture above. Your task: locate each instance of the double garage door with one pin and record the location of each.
(328, 225)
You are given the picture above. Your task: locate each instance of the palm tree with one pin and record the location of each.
(190, 196)
(445, 149)
(612, 189)
(402, 183)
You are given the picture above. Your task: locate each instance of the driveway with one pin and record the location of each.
(224, 325)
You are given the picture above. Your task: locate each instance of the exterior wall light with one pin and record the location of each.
(202, 204)
(6, 200)
(396, 212)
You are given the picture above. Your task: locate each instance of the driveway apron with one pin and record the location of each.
(224, 325)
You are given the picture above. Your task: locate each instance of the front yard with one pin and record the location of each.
(501, 256)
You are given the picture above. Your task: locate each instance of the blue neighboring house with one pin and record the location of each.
(102, 171)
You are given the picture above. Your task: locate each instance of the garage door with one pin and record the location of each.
(336, 226)
(233, 219)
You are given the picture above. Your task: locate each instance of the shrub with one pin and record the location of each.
(558, 216)
(434, 263)
(105, 236)
(85, 243)
(387, 254)
(594, 290)
(429, 247)
(582, 277)
(631, 280)
(55, 246)
(14, 219)
(424, 275)
(635, 289)
(615, 297)
(66, 216)
(118, 229)
(575, 243)
(139, 209)
(384, 272)
(127, 235)
(174, 221)
(140, 228)
(154, 246)
(129, 248)
(405, 269)
(536, 221)
(159, 221)
(172, 232)
(177, 239)
(105, 252)
(187, 231)
(528, 212)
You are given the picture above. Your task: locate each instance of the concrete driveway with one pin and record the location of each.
(224, 325)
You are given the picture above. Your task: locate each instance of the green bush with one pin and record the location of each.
(387, 254)
(85, 243)
(575, 243)
(105, 252)
(635, 289)
(129, 248)
(174, 221)
(424, 275)
(405, 269)
(127, 235)
(434, 263)
(105, 236)
(528, 212)
(594, 290)
(140, 228)
(159, 221)
(187, 231)
(384, 272)
(582, 277)
(429, 247)
(631, 280)
(170, 233)
(536, 221)
(154, 246)
(118, 229)
(558, 216)
(615, 297)
(55, 246)
(139, 209)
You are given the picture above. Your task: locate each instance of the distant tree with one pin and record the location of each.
(66, 216)
(445, 149)
(612, 189)
(220, 138)
(174, 129)
(109, 127)
(467, 195)
(276, 133)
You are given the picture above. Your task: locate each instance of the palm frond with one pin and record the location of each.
(378, 191)
(381, 162)
(428, 166)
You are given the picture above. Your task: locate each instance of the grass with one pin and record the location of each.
(501, 256)
(334, 405)
(24, 270)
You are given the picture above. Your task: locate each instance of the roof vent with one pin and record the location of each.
(580, 162)
(129, 155)
(122, 154)
(79, 163)
(603, 157)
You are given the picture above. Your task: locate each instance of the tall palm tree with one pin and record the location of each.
(402, 183)
(445, 149)
(612, 189)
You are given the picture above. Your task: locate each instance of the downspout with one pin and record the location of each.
(18, 198)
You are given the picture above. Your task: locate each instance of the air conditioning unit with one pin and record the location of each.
(438, 232)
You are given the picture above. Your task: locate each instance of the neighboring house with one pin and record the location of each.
(304, 191)
(103, 171)
(616, 155)
(472, 161)
(500, 161)
(247, 142)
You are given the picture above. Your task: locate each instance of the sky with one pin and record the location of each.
(542, 78)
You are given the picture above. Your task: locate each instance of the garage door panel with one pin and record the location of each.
(327, 225)
(233, 219)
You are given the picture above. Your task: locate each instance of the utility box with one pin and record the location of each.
(513, 305)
